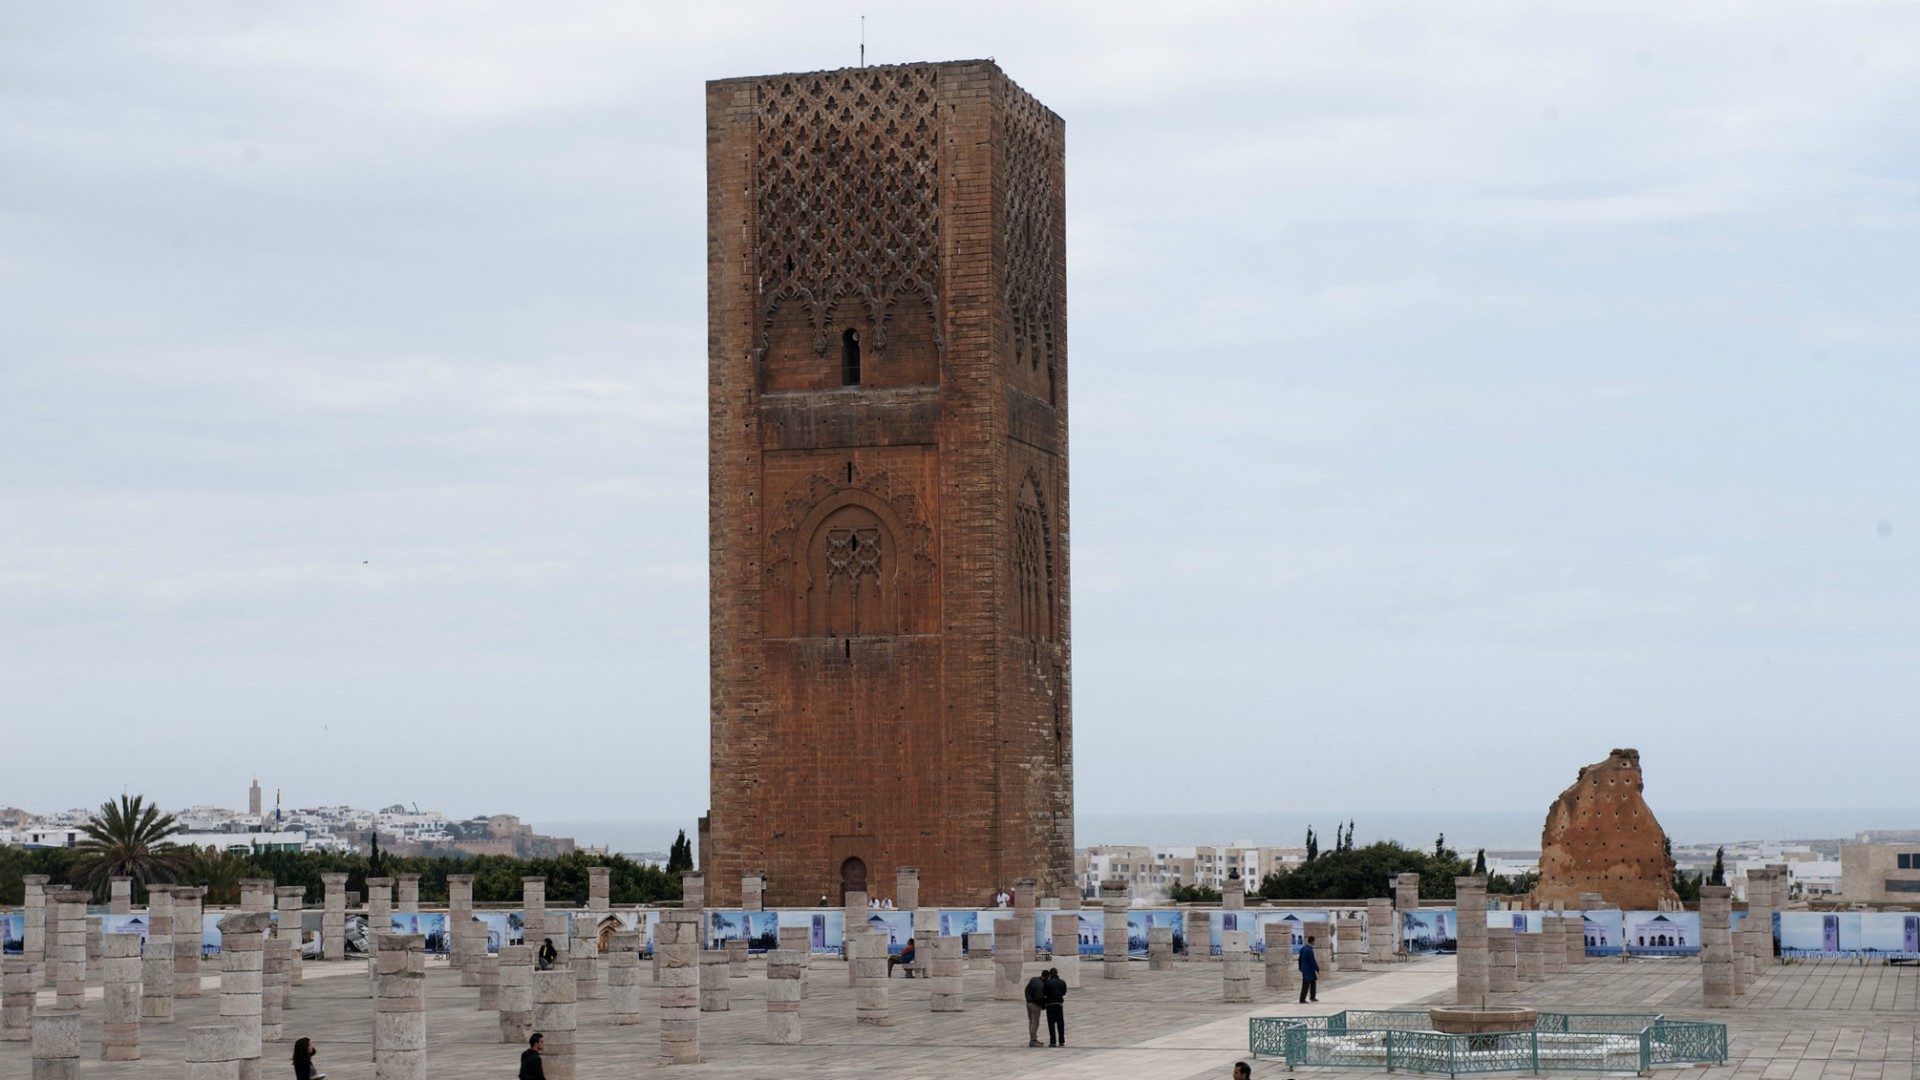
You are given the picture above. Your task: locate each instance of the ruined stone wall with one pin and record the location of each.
(1601, 837)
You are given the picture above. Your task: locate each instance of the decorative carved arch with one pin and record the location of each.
(1033, 560)
(824, 506)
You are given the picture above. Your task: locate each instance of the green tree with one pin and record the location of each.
(220, 871)
(1719, 876)
(1313, 845)
(127, 838)
(1363, 872)
(680, 855)
(1480, 861)
(376, 862)
(1439, 845)
(1193, 894)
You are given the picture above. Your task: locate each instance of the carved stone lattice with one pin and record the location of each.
(844, 557)
(848, 189)
(1033, 159)
(1033, 561)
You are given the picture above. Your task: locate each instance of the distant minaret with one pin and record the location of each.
(253, 798)
(276, 806)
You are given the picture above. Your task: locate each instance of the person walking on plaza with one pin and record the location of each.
(1309, 973)
(530, 1066)
(1056, 994)
(1036, 1006)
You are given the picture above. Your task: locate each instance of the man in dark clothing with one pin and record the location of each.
(1056, 994)
(1309, 973)
(1036, 1006)
(530, 1067)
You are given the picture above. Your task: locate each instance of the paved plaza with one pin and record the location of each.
(1801, 1021)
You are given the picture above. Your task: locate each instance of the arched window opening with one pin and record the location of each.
(850, 357)
(1032, 564)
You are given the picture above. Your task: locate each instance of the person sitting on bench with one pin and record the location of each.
(904, 959)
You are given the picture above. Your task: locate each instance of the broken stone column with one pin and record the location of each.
(1064, 928)
(1575, 926)
(947, 976)
(906, 888)
(1159, 948)
(797, 942)
(1553, 944)
(693, 891)
(1756, 930)
(379, 908)
(1113, 939)
(589, 980)
(189, 933)
(1350, 952)
(51, 946)
(19, 984)
(273, 987)
(1236, 967)
(1199, 935)
(1278, 938)
(1383, 938)
(1026, 902)
(409, 889)
(1527, 956)
(1320, 934)
(753, 890)
(466, 947)
(256, 894)
(70, 949)
(333, 917)
(533, 910)
(1009, 963)
(96, 931)
(290, 902)
(677, 942)
(980, 949)
(120, 971)
(557, 1017)
(1406, 892)
(599, 890)
(1470, 912)
(120, 898)
(871, 1006)
(1233, 894)
(213, 1052)
(1718, 986)
(56, 1042)
(242, 939)
(714, 995)
(33, 940)
(156, 959)
(783, 997)
(516, 993)
(737, 959)
(400, 1007)
(1503, 969)
(623, 978)
(854, 921)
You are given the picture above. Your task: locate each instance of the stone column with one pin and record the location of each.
(1503, 969)
(120, 900)
(870, 999)
(19, 984)
(213, 1052)
(1470, 911)
(1279, 943)
(1064, 928)
(926, 928)
(70, 949)
(409, 889)
(589, 980)
(1199, 935)
(96, 931)
(1113, 939)
(1009, 964)
(1574, 925)
(291, 904)
(753, 890)
(189, 933)
(1233, 894)
(1553, 944)
(1406, 892)
(1752, 934)
(947, 976)
(737, 958)
(676, 941)
(853, 922)
(120, 970)
(557, 1017)
(693, 891)
(1349, 953)
(1718, 986)
(906, 888)
(783, 997)
(50, 945)
(623, 978)
(797, 942)
(333, 917)
(1381, 937)
(256, 894)
(599, 889)
(400, 1007)
(516, 993)
(379, 908)
(34, 935)
(273, 988)
(1526, 955)
(714, 994)
(980, 948)
(242, 938)
(1159, 948)
(533, 909)
(1026, 902)
(1321, 934)
(56, 1042)
(1236, 967)
(156, 960)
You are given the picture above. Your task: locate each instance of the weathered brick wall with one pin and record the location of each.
(890, 657)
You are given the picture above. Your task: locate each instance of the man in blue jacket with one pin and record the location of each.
(1309, 973)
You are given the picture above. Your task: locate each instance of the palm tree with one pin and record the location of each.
(128, 839)
(220, 871)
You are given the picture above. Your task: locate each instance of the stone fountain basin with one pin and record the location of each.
(1482, 1019)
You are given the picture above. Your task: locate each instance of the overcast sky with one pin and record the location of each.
(1459, 391)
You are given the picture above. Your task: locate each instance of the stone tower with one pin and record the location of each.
(253, 798)
(887, 464)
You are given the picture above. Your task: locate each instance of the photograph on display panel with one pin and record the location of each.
(1429, 933)
(1662, 933)
(125, 924)
(759, 929)
(1605, 931)
(13, 934)
(1140, 922)
(431, 926)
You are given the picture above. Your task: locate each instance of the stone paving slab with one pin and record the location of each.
(1802, 1021)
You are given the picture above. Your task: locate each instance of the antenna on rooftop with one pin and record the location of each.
(863, 41)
